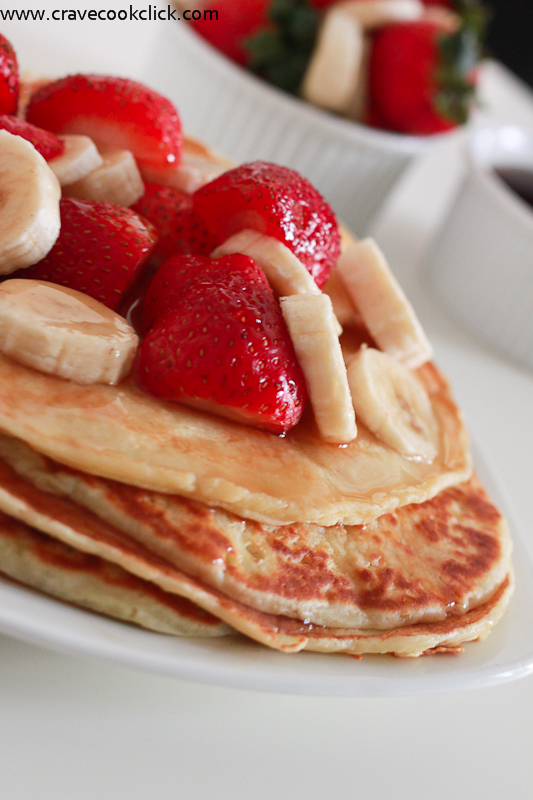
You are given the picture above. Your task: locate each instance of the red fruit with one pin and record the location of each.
(444, 3)
(420, 83)
(100, 251)
(116, 113)
(237, 21)
(223, 345)
(9, 78)
(46, 143)
(276, 201)
(178, 227)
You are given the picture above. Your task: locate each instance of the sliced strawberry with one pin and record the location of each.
(100, 251)
(421, 79)
(278, 202)
(46, 143)
(116, 113)
(180, 230)
(9, 78)
(221, 344)
(178, 274)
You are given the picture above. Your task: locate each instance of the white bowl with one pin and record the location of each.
(354, 166)
(482, 263)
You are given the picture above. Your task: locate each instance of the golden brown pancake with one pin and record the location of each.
(124, 434)
(419, 578)
(46, 564)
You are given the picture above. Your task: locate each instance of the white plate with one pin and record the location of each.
(231, 661)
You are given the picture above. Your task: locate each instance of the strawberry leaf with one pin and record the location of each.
(280, 54)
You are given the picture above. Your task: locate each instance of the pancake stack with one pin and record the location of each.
(190, 524)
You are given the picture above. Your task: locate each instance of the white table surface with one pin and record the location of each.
(77, 729)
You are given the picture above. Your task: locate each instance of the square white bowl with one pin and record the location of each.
(354, 166)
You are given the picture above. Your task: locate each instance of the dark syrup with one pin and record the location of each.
(519, 180)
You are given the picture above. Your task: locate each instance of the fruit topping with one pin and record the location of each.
(422, 79)
(117, 114)
(64, 332)
(384, 308)
(79, 158)
(9, 78)
(46, 143)
(275, 201)
(285, 273)
(392, 403)
(180, 230)
(116, 180)
(332, 76)
(101, 250)
(218, 342)
(313, 329)
(29, 222)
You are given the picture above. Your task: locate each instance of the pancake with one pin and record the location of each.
(429, 575)
(122, 433)
(34, 559)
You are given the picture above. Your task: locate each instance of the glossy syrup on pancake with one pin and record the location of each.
(123, 434)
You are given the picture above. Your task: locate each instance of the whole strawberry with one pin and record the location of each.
(101, 250)
(278, 202)
(46, 143)
(232, 24)
(9, 78)
(116, 113)
(219, 342)
(422, 80)
(180, 230)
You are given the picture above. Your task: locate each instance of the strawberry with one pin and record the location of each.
(220, 343)
(179, 229)
(233, 23)
(421, 79)
(276, 201)
(116, 113)
(46, 143)
(101, 250)
(9, 78)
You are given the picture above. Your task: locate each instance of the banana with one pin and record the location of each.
(372, 14)
(200, 165)
(63, 332)
(393, 404)
(117, 180)
(386, 311)
(331, 78)
(29, 211)
(312, 328)
(284, 271)
(79, 158)
(448, 20)
(345, 311)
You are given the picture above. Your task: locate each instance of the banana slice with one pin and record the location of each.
(313, 330)
(331, 78)
(188, 177)
(284, 271)
(116, 180)
(386, 311)
(80, 158)
(448, 20)
(393, 404)
(63, 332)
(29, 208)
(373, 14)
(345, 311)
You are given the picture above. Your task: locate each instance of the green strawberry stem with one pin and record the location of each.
(280, 54)
(459, 55)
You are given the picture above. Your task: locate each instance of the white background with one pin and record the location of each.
(77, 729)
